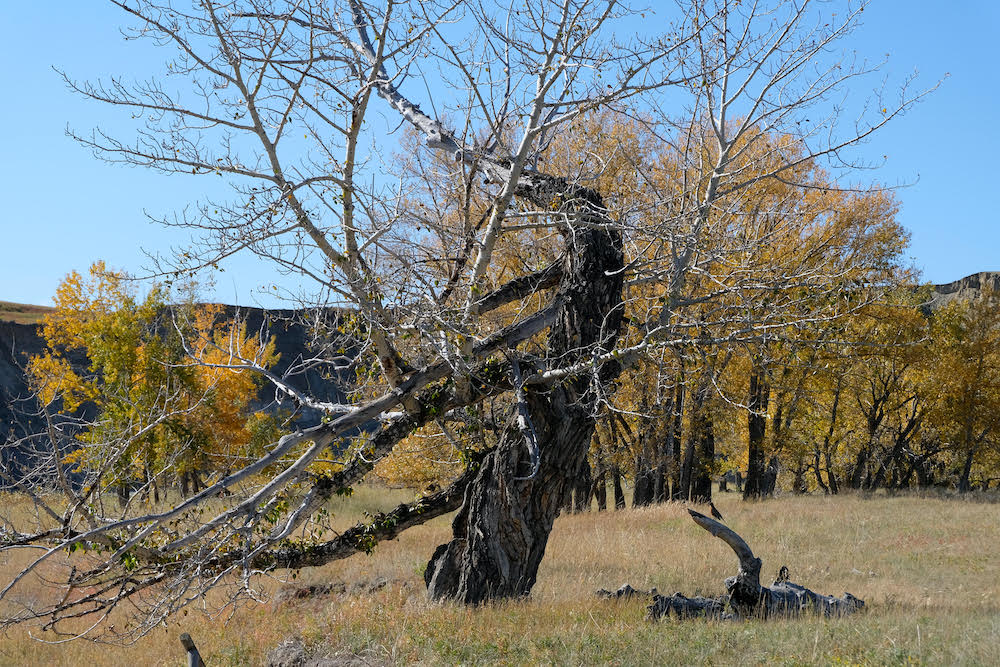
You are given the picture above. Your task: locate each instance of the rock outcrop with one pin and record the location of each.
(969, 287)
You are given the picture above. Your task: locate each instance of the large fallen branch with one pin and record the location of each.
(784, 598)
(746, 597)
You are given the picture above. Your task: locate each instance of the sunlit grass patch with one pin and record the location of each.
(22, 313)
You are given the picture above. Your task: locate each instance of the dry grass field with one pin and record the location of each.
(21, 313)
(928, 569)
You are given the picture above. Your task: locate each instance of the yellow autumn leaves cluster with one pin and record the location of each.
(160, 390)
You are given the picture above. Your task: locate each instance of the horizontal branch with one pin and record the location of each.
(521, 287)
(364, 537)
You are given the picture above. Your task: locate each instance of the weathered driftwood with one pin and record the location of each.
(784, 598)
(626, 591)
(682, 606)
(678, 603)
(746, 598)
(193, 656)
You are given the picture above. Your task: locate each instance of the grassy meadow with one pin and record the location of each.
(21, 313)
(927, 568)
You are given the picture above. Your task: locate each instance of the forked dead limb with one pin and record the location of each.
(783, 598)
(746, 597)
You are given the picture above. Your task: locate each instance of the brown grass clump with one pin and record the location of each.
(927, 568)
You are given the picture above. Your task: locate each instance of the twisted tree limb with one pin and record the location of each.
(747, 598)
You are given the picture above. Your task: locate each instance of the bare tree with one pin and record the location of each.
(289, 102)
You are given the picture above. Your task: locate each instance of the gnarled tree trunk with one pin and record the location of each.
(502, 528)
(501, 531)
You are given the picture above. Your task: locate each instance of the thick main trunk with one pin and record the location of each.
(501, 531)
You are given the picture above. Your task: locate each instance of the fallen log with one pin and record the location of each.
(746, 597)
(783, 598)
(625, 592)
(682, 606)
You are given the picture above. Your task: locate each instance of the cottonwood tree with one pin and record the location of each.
(903, 399)
(134, 405)
(797, 257)
(964, 377)
(290, 102)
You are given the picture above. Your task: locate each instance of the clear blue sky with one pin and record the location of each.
(63, 209)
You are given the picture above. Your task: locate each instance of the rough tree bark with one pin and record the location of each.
(502, 528)
(757, 424)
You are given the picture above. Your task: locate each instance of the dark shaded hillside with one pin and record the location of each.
(17, 343)
(293, 344)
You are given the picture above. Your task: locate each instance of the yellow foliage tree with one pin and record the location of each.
(168, 386)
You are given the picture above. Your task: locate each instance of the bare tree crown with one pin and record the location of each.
(438, 170)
